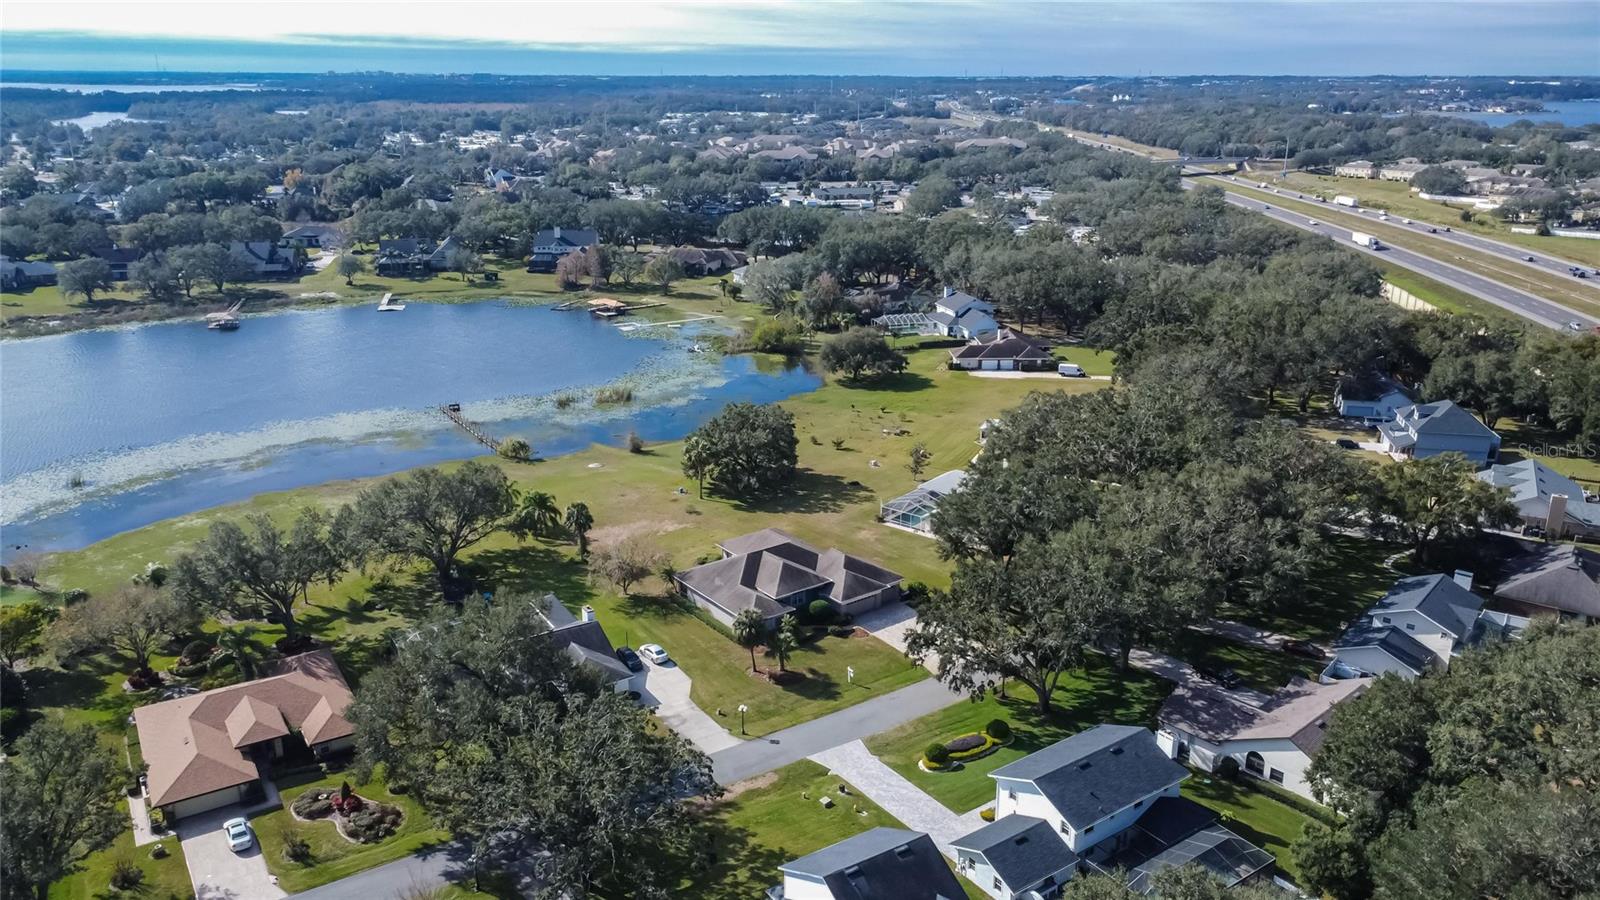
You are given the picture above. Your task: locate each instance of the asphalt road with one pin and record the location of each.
(1535, 309)
(1550, 265)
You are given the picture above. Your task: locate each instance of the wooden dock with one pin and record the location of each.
(453, 413)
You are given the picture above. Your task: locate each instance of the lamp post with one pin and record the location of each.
(742, 710)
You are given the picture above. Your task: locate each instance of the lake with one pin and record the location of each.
(98, 120)
(165, 419)
(1571, 113)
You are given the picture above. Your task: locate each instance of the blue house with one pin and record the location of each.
(1429, 429)
(1371, 398)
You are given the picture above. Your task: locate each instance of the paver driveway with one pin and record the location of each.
(217, 872)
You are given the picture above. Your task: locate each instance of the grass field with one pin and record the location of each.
(333, 857)
(768, 821)
(1551, 286)
(1442, 296)
(164, 879)
(1338, 591)
(1097, 693)
(1397, 198)
(328, 286)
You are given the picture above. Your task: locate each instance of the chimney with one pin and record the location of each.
(948, 290)
(1555, 523)
(587, 614)
(556, 231)
(1464, 578)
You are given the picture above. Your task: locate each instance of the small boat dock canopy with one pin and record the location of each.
(607, 308)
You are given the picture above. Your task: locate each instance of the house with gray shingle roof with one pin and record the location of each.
(1275, 741)
(1105, 800)
(1013, 856)
(881, 863)
(1429, 429)
(1554, 578)
(776, 573)
(582, 639)
(1420, 624)
(1546, 499)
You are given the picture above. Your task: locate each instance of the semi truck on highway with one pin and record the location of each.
(1346, 200)
(1366, 240)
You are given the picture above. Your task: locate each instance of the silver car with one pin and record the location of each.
(239, 837)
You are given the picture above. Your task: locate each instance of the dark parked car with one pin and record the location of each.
(1303, 648)
(630, 659)
(1224, 676)
(1346, 444)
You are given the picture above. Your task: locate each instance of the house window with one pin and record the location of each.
(1254, 764)
(998, 884)
(1410, 627)
(1011, 795)
(1276, 775)
(1386, 620)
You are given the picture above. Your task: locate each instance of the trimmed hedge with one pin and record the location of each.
(962, 748)
(999, 729)
(937, 754)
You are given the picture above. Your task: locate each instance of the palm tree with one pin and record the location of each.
(785, 642)
(579, 520)
(240, 642)
(750, 629)
(536, 515)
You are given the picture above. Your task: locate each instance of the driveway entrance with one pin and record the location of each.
(217, 872)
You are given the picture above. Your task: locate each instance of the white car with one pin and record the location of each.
(654, 653)
(1406, 221)
(1312, 221)
(239, 837)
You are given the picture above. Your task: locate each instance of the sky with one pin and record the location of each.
(827, 37)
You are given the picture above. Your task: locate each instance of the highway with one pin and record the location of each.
(1522, 303)
(1550, 265)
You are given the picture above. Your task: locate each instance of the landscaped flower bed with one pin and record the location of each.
(358, 819)
(965, 748)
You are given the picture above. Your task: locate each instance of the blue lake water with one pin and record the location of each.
(165, 419)
(1571, 113)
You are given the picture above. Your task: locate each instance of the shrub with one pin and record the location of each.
(615, 394)
(313, 804)
(819, 610)
(914, 594)
(159, 851)
(565, 400)
(966, 742)
(195, 651)
(999, 729)
(189, 671)
(987, 814)
(838, 443)
(374, 823)
(296, 848)
(1227, 769)
(841, 631)
(516, 448)
(75, 595)
(937, 754)
(635, 443)
(158, 819)
(126, 874)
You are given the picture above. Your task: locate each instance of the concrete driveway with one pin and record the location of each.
(217, 872)
(666, 690)
(891, 623)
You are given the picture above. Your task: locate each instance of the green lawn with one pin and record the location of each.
(1565, 455)
(768, 821)
(164, 879)
(1094, 362)
(1342, 588)
(1257, 817)
(1094, 695)
(1439, 295)
(333, 857)
(1262, 669)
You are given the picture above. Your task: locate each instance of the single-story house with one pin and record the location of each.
(1109, 796)
(268, 260)
(1274, 742)
(699, 262)
(1554, 578)
(1546, 499)
(1360, 168)
(1372, 398)
(308, 237)
(22, 274)
(550, 244)
(881, 863)
(776, 573)
(1005, 352)
(914, 509)
(411, 257)
(203, 752)
(1429, 429)
(582, 638)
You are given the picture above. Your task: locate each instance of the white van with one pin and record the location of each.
(1070, 370)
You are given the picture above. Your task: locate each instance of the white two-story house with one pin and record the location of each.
(961, 315)
(1420, 624)
(1104, 800)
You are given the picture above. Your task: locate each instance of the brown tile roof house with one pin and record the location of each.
(775, 573)
(199, 747)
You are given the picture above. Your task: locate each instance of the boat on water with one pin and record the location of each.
(228, 323)
(388, 304)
